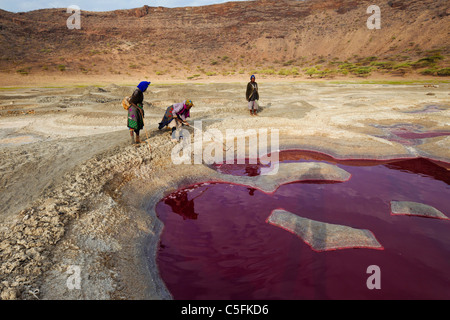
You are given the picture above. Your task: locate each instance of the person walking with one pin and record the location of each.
(136, 111)
(252, 96)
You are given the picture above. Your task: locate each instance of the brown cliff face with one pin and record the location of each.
(227, 37)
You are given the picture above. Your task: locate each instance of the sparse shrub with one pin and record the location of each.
(428, 72)
(311, 71)
(361, 71)
(288, 63)
(346, 66)
(266, 71)
(399, 57)
(444, 72)
(385, 65)
(368, 60)
(94, 52)
(403, 65)
(288, 72)
(422, 64)
(401, 68)
(429, 61)
(433, 57)
(61, 67)
(324, 73)
(24, 71)
(194, 76)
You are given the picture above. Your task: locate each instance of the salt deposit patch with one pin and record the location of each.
(18, 140)
(293, 172)
(322, 236)
(416, 209)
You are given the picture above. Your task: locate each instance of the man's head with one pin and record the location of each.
(252, 78)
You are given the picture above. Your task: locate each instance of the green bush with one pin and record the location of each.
(355, 69)
(403, 65)
(428, 72)
(288, 72)
(311, 71)
(61, 67)
(368, 60)
(24, 71)
(433, 58)
(283, 72)
(324, 73)
(361, 71)
(194, 76)
(385, 65)
(347, 66)
(288, 63)
(444, 72)
(268, 71)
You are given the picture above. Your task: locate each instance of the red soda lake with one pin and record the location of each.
(216, 243)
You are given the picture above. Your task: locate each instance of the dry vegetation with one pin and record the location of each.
(301, 39)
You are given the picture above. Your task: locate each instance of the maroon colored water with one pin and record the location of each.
(217, 245)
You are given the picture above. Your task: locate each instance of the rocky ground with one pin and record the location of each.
(77, 199)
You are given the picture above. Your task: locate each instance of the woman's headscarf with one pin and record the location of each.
(143, 85)
(185, 110)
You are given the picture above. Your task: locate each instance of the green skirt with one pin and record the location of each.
(135, 117)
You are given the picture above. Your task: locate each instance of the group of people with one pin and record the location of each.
(176, 114)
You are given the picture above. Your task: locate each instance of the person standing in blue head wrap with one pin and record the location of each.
(136, 111)
(252, 96)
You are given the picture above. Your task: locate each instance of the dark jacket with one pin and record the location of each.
(136, 111)
(252, 93)
(137, 97)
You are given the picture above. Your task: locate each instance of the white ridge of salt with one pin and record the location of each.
(416, 209)
(321, 236)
